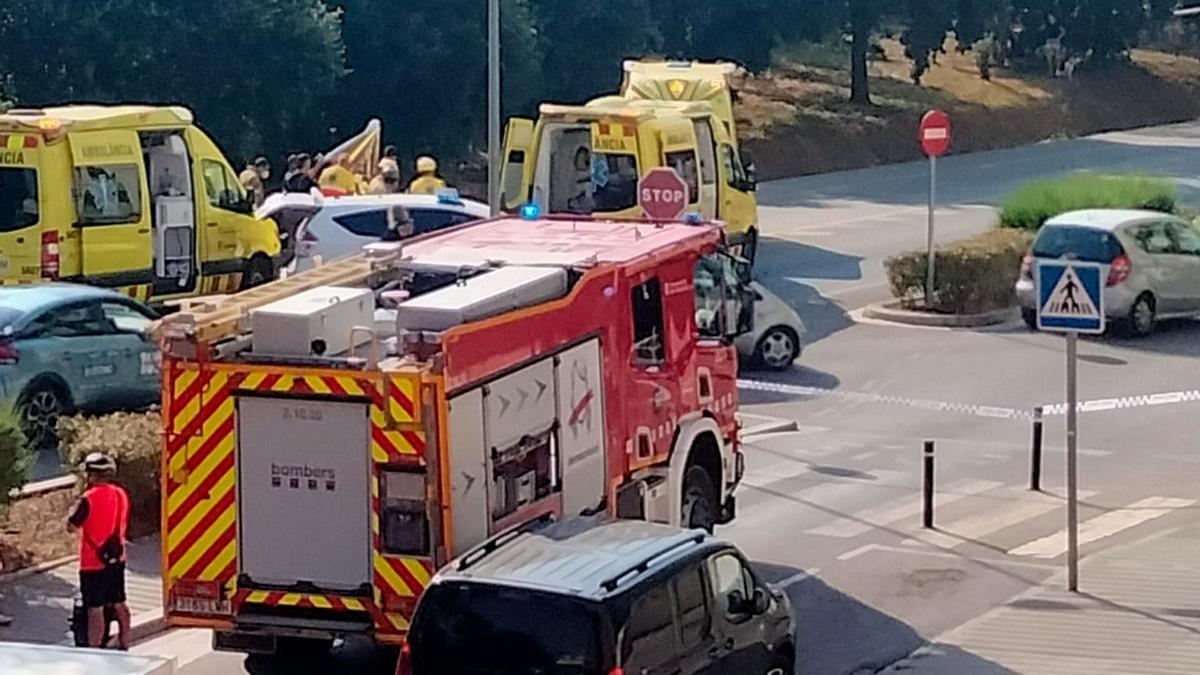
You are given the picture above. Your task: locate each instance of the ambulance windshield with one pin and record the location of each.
(18, 198)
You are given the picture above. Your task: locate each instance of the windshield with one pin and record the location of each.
(18, 198)
(473, 630)
(1084, 243)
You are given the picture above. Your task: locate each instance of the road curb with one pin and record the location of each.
(772, 427)
(26, 572)
(892, 311)
(147, 624)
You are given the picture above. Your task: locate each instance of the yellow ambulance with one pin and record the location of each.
(684, 81)
(588, 160)
(130, 197)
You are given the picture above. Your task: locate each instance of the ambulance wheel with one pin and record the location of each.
(40, 406)
(258, 272)
(699, 500)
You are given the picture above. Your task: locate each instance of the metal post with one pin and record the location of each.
(1035, 461)
(929, 233)
(493, 139)
(1072, 467)
(928, 485)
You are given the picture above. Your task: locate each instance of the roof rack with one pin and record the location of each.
(612, 582)
(477, 554)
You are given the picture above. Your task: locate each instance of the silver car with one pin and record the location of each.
(1151, 259)
(777, 337)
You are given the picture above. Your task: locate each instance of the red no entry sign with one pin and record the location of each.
(935, 133)
(662, 194)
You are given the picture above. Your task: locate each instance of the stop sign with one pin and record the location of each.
(935, 133)
(662, 194)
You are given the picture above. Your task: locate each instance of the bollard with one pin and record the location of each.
(1035, 460)
(928, 511)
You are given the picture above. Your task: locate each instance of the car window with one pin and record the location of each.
(1084, 243)
(371, 223)
(1154, 238)
(684, 164)
(649, 639)
(108, 195)
(82, 320)
(692, 604)
(727, 575)
(127, 319)
(1187, 238)
(428, 220)
(18, 198)
(221, 185)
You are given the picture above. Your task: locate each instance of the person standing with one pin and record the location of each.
(254, 180)
(427, 181)
(388, 180)
(338, 179)
(101, 516)
(301, 180)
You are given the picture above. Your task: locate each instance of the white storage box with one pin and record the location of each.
(327, 314)
(482, 296)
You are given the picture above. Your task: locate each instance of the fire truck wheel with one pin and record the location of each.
(699, 500)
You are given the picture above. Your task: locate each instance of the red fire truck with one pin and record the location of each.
(333, 437)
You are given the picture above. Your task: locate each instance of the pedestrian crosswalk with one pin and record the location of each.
(1104, 525)
(899, 509)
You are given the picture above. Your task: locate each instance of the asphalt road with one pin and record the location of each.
(831, 511)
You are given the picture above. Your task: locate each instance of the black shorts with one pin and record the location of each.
(103, 587)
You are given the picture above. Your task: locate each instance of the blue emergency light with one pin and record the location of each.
(693, 218)
(531, 211)
(449, 196)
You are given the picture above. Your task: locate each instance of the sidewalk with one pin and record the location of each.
(40, 604)
(1138, 611)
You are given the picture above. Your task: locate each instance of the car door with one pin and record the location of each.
(139, 374)
(223, 208)
(739, 648)
(90, 353)
(650, 641)
(1187, 251)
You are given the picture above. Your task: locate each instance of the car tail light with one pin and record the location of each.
(616, 671)
(1119, 271)
(50, 254)
(1027, 266)
(8, 353)
(404, 666)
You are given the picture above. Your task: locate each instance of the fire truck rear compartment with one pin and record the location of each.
(303, 479)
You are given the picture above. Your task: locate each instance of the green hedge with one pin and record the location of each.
(15, 459)
(134, 440)
(971, 276)
(1034, 203)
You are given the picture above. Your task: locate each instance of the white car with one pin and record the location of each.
(777, 337)
(333, 227)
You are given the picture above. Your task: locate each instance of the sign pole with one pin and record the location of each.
(1072, 465)
(493, 139)
(929, 271)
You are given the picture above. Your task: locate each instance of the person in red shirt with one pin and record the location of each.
(101, 516)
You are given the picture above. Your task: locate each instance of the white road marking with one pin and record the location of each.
(798, 577)
(864, 456)
(1000, 516)
(871, 548)
(899, 509)
(1103, 525)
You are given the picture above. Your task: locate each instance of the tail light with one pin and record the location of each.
(1027, 266)
(616, 671)
(50, 254)
(1119, 271)
(404, 666)
(8, 353)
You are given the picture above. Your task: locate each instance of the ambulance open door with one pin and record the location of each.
(112, 207)
(515, 173)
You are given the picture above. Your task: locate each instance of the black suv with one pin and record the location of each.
(600, 597)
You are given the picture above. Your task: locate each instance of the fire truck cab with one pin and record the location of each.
(334, 437)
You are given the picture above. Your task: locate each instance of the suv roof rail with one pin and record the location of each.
(610, 584)
(475, 555)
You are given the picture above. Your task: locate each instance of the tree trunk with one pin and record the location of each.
(860, 34)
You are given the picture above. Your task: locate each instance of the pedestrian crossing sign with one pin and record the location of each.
(1070, 296)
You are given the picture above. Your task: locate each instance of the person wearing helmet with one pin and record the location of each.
(388, 180)
(101, 516)
(427, 181)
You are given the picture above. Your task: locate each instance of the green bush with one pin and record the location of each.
(15, 459)
(1034, 203)
(134, 440)
(971, 276)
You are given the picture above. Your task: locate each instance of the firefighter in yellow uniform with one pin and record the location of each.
(427, 181)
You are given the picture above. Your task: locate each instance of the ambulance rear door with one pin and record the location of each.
(112, 207)
(516, 171)
(21, 210)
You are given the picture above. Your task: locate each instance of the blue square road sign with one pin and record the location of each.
(1070, 296)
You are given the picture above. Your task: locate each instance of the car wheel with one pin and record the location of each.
(778, 348)
(258, 272)
(699, 500)
(1029, 316)
(39, 407)
(1142, 316)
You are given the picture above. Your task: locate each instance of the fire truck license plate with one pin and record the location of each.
(202, 606)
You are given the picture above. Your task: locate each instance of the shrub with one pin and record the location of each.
(15, 459)
(134, 440)
(971, 276)
(1034, 203)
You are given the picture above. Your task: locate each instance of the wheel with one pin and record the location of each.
(699, 500)
(258, 272)
(1142, 316)
(39, 407)
(778, 348)
(1029, 316)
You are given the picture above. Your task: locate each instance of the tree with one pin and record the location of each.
(254, 72)
(928, 23)
(863, 16)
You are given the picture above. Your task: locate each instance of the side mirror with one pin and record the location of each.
(738, 604)
(762, 601)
